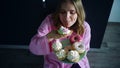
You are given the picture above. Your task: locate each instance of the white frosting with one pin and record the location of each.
(73, 56)
(61, 54)
(57, 45)
(64, 30)
(79, 46)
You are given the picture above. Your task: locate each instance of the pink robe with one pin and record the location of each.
(39, 45)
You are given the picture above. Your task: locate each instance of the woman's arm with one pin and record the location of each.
(87, 36)
(39, 43)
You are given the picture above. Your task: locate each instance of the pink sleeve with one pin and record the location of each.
(39, 43)
(87, 36)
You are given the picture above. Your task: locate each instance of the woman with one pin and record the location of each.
(70, 14)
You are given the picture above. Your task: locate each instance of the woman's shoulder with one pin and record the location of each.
(86, 25)
(49, 20)
(49, 16)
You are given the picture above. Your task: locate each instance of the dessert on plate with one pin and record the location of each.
(64, 30)
(61, 54)
(70, 50)
(79, 46)
(57, 45)
(73, 56)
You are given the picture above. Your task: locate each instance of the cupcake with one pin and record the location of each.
(63, 30)
(73, 56)
(79, 46)
(61, 54)
(57, 45)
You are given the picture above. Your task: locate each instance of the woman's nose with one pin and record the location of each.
(67, 15)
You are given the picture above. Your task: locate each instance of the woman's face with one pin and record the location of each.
(68, 15)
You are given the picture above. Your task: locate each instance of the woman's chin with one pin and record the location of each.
(67, 26)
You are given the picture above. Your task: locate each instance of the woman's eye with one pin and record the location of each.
(72, 12)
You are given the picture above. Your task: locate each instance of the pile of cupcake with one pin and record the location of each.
(72, 52)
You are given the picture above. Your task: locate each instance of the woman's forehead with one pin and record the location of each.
(67, 6)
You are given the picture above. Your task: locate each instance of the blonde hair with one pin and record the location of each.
(78, 27)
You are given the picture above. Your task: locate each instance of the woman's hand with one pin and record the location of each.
(55, 35)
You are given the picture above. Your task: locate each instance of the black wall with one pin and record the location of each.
(21, 18)
(20, 21)
(97, 12)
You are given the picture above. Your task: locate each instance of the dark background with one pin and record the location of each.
(21, 18)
